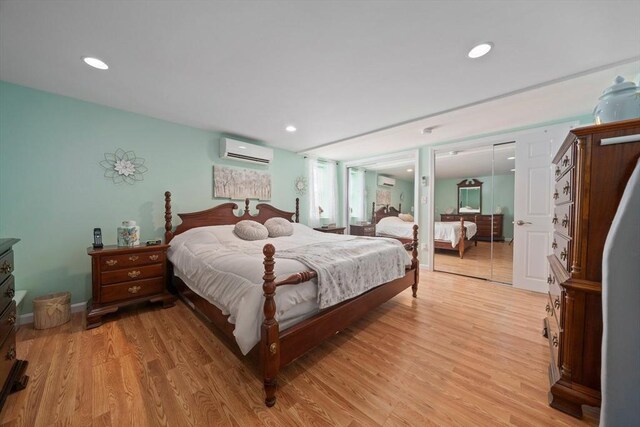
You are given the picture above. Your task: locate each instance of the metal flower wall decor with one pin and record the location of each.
(123, 166)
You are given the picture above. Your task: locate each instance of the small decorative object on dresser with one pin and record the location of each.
(123, 276)
(363, 230)
(128, 234)
(11, 369)
(334, 230)
(592, 168)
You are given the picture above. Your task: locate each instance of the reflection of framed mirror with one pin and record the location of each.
(470, 196)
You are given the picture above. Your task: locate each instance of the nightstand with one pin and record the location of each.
(368, 230)
(334, 230)
(123, 276)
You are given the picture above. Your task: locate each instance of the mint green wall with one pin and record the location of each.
(446, 191)
(401, 187)
(54, 193)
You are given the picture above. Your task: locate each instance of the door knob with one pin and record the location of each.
(521, 222)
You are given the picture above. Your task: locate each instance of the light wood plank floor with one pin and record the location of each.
(477, 262)
(465, 352)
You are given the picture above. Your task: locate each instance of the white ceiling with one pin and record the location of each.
(398, 170)
(333, 69)
(476, 162)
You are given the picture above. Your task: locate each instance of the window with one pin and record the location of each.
(357, 208)
(323, 194)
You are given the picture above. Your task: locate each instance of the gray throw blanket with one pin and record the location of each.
(349, 268)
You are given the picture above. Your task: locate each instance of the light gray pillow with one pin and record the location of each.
(278, 227)
(250, 230)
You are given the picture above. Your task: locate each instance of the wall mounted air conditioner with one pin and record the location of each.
(244, 152)
(385, 181)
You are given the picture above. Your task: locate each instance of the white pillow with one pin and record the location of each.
(406, 217)
(251, 230)
(278, 227)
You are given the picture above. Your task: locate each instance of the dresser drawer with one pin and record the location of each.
(555, 306)
(133, 273)
(564, 190)
(117, 262)
(6, 265)
(8, 354)
(565, 163)
(560, 246)
(7, 291)
(7, 320)
(130, 290)
(553, 335)
(562, 219)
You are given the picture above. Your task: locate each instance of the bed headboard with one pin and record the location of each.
(384, 211)
(222, 215)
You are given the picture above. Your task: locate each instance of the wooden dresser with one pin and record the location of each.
(592, 168)
(486, 230)
(334, 230)
(11, 369)
(126, 275)
(368, 230)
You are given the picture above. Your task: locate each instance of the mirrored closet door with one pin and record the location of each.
(473, 212)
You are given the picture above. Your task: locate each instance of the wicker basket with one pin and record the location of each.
(51, 310)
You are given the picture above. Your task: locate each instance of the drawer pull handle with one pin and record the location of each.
(563, 254)
(548, 309)
(133, 274)
(556, 195)
(565, 221)
(566, 188)
(10, 293)
(544, 332)
(556, 303)
(555, 219)
(11, 354)
(6, 268)
(11, 319)
(153, 257)
(554, 245)
(557, 170)
(565, 161)
(133, 258)
(549, 279)
(554, 340)
(134, 289)
(111, 262)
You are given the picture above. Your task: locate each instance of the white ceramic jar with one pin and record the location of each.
(129, 234)
(621, 101)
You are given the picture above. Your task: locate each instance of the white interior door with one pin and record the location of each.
(534, 182)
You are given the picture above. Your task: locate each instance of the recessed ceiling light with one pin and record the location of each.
(513, 170)
(409, 170)
(511, 158)
(290, 128)
(426, 131)
(453, 153)
(95, 63)
(480, 50)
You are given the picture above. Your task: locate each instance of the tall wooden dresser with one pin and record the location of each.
(592, 168)
(11, 369)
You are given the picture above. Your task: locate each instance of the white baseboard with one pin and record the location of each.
(25, 319)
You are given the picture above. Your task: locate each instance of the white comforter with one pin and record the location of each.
(394, 226)
(227, 271)
(450, 231)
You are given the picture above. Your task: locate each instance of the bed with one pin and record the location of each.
(275, 346)
(454, 235)
(388, 224)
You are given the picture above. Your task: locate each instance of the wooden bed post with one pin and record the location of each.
(270, 341)
(246, 206)
(400, 207)
(297, 209)
(373, 213)
(168, 234)
(414, 260)
(463, 236)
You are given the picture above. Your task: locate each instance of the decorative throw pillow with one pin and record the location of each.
(406, 217)
(251, 230)
(279, 227)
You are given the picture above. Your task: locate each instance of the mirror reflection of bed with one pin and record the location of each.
(473, 212)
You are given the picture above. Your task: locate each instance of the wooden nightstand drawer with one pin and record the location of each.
(6, 265)
(368, 230)
(7, 321)
(8, 354)
(116, 262)
(133, 273)
(7, 291)
(129, 290)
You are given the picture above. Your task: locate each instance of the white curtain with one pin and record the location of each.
(357, 208)
(323, 200)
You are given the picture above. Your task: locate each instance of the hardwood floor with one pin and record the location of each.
(465, 352)
(477, 262)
